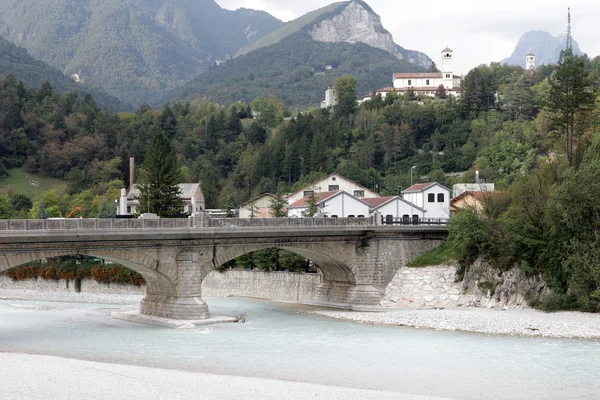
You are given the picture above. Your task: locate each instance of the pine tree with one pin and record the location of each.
(160, 176)
(313, 208)
(41, 211)
(571, 91)
(106, 210)
(279, 206)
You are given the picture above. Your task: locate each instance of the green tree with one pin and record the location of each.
(279, 206)
(5, 208)
(312, 206)
(571, 91)
(345, 89)
(106, 210)
(441, 93)
(160, 176)
(41, 212)
(433, 68)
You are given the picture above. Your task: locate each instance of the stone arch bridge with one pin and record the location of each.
(357, 257)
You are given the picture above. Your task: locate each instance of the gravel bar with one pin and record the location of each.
(514, 322)
(32, 377)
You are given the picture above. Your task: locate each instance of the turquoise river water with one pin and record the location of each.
(283, 341)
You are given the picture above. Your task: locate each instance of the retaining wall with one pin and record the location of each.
(281, 286)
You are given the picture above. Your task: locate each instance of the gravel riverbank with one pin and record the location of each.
(523, 322)
(32, 377)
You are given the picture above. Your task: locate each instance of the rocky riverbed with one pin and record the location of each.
(523, 322)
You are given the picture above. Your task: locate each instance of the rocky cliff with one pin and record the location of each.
(344, 22)
(546, 48)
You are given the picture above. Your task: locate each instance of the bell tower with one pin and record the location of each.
(530, 62)
(447, 68)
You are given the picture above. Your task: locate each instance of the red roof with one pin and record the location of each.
(419, 187)
(319, 197)
(377, 201)
(408, 75)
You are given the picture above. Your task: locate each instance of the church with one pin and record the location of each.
(425, 83)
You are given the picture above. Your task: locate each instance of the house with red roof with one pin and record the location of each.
(432, 197)
(395, 206)
(333, 183)
(335, 204)
(468, 200)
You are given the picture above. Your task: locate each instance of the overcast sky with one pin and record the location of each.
(478, 31)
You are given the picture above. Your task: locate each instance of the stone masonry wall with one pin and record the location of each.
(429, 287)
(280, 286)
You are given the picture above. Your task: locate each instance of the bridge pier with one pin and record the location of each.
(183, 299)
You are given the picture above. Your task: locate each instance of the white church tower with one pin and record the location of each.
(447, 69)
(530, 62)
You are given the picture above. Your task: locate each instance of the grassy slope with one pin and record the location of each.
(441, 255)
(29, 184)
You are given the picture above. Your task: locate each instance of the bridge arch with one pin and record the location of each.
(333, 270)
(155, 280)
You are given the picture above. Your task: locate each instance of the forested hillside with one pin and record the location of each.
(16, 61)
(294, 70)
(132, 49)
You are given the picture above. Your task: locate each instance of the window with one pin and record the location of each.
(427, 82)
(440, 197)
(308, 192)
(359, 193)
(128, 209)
(409, 82)
(333, 188)
(351, 216)
(447, 76)
(431, 198)
(334, 216)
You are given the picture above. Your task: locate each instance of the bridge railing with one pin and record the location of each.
(92, 224)
(299, 222)
(175, 223)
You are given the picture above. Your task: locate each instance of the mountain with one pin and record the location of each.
(16, 61)
(133, 49)
(299, 61)
(343, 22)
(546, 48)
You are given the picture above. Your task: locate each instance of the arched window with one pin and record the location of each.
(441, 197)
(431, 197)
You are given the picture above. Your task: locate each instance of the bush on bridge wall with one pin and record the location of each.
(69, 270)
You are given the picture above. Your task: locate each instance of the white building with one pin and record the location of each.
(426, 83)
(338, 204)
(330, 98)
(395, 206)
(530, 62)
(191, 193)
(333, 183)
(433, 197)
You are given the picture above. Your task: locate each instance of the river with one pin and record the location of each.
(283, 341)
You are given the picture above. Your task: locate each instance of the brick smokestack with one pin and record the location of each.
(131, 172)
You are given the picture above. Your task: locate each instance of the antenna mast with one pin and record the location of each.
(569, 37)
